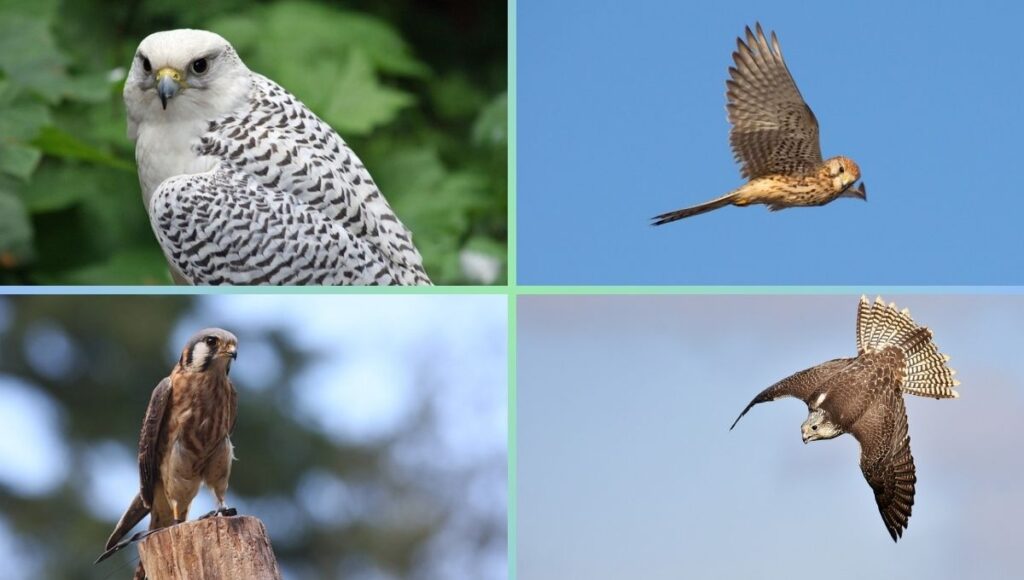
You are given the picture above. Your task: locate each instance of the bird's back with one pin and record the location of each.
(868, 381)
(277, 141)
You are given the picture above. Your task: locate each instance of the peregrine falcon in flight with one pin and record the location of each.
(245, 185)
(774, 136)
(185, 438)
(863, 396)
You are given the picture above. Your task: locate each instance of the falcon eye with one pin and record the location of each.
(210, 341)
(199, 66)
(814, 427)
(146, 66)
(841, 169)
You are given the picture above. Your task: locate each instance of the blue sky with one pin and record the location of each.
(621, 116)
(627, 467)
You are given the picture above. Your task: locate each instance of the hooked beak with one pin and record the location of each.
(233, 352)
(859, 191)
(168, 82)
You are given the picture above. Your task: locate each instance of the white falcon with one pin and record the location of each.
(244, 184)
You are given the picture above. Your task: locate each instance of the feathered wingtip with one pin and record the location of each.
(880, 325)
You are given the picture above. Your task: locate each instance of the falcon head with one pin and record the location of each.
(819, 426)
(184, 74)
(843, 172)
(209, 350)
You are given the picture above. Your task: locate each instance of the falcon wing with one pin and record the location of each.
(149, 441)
(800, 385)
(232, 407)
(278, 142)
(773, 129)
(886, 461)
(224, 227)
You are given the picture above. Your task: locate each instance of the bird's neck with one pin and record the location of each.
(165, 138)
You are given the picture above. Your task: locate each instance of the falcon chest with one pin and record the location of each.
(199, 416)
(164, 149)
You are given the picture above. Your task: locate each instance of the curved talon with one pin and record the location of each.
(224, 511)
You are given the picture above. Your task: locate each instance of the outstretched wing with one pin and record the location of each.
(773, 129)
(886, 461)
(149, 441)
(284, 147)
(800, 385)
(225, 227)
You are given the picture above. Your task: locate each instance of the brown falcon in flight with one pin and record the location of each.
(774, 136)
(863, 396)
(185, 438)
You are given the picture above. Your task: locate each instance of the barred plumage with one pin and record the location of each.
(926, 373)
(245, 185)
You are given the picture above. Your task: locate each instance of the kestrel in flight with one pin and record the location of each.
(863, 396)
(185, 438)
(774, 137)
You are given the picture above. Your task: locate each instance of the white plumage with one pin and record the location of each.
(244, 184)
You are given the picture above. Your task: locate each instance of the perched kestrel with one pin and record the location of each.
(185, 438)
(245, 185)
(774, 136)
(863, 396)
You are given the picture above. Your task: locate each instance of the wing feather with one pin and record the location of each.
(800, 385)
(886, 461)
(773, 129)
(284, 147)
(149, 441)
(224, 227)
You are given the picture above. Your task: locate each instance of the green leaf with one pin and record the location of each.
(455, 97)
(491, 127)
(19, 160)
(45, 10)
(295, 34)
(57, 143)
(89, 88)
(21, 121)
(15, 232)
(331, 59)
(29, 55)
(129, 267)
(356, 102)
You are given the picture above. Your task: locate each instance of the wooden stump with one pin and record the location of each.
(218, 548)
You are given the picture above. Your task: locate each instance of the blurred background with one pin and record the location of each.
(371, 434)
(627, 468)
(416, 87)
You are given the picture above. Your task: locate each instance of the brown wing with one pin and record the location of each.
(232, 407)
(149, 440)
(800, 385)
(773, 129)
(886, 461)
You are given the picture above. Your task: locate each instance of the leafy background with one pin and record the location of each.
(417, 87)
(371, 434)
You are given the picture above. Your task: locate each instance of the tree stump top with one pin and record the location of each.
(217, 548)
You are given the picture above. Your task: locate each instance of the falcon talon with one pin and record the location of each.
(863, 396)
(774, 136)
(226, 512)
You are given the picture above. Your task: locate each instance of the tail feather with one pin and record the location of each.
(132, 516)
(927, 374)
(705, 207)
